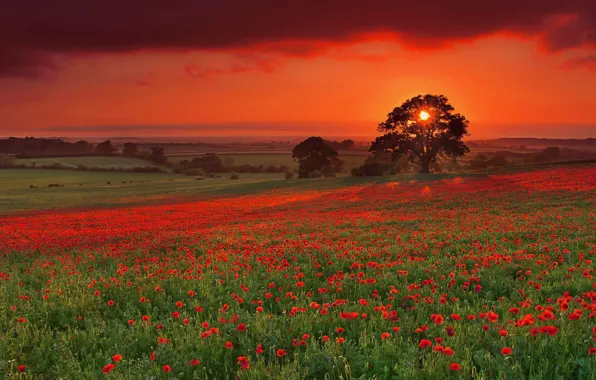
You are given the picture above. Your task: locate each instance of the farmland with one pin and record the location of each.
(400, 277)
(90, 162)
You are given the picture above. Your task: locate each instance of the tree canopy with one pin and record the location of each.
(423, 129)
(314, 154)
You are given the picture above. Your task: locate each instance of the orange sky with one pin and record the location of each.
(504, 84)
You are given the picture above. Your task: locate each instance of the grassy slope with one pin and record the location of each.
(15, 194)
(83, 189)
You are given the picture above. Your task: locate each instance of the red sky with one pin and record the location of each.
(272, 68)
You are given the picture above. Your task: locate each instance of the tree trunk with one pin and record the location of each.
(425, 166)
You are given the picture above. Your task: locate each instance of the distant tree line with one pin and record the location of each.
(212, 163)
(33, 147)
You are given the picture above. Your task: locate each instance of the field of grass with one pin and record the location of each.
(84, 188)
(90, 162)
(419, 277)
(265, 159)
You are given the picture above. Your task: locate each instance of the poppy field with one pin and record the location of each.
(483, 277)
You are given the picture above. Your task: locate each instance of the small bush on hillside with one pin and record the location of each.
(374, 169)
(315, 174)
(290, 174)
(234, 175)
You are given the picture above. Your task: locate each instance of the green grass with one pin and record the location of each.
(90, 162)
(82, 188)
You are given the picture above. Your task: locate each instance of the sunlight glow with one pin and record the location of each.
(424, 115)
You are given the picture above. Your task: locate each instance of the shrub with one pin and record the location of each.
(374, 169)
(234, 175)
(356, 172)
(290, 174)
(315, 174)
(195, 172)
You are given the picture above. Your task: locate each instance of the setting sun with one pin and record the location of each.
(424, 115)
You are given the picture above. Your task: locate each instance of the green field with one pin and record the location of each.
(441, 276)
(90, 162)
(84, 188)
(265, 159)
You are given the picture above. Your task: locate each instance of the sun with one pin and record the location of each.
(424, 115)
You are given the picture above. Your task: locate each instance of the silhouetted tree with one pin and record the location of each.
(105, 148)
(312, 155)
(157, 155)
(549, 154)
(130, 149)
(423, 129)
(210, 162)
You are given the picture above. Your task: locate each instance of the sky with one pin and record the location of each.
(514, 68)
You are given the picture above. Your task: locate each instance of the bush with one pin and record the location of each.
(234, 175)
(195, 172)
(200, 178)
(356, 172)
(290, 175)
(81, 167)
(374, 169)
(315, 174)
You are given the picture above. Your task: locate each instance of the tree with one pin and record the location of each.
(423, 129)
(157, 155)
(313, 154)
(130, 149)
(105, 148)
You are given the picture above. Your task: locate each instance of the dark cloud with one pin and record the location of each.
(32, 30)
(588, 63)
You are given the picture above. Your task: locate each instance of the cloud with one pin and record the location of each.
(242, 64)
(32, 30)
(587, 62)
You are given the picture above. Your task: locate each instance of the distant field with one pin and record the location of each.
(90, 162)
(351, 161)
(83, 188)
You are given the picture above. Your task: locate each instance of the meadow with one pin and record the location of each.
(89, 162)
(351, 160)
(398, 277)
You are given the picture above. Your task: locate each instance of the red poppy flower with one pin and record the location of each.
(21, 368)
(195, 362)
(167, 368)
(454, 367)
(259, 350)
(108, 368)
(506, 351)
(243, 362)
(117, 358)
(281, 352)
(229, 345)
